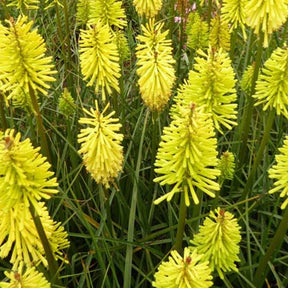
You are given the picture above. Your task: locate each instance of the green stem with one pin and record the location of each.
(209, 13)
(274, 245)
(131, 224)
(52, 263)
(181, 224)
(61, 38)
(68, 45)
(248, 109)
(40, 126)
(197, 211)
(259, 154)
(2, 112)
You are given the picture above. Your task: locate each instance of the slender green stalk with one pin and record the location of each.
(40, 126)
(132, 214)
(62, 40)
(67, 45)
(197, 211)
(2, 112)
(259, 154)
(52, 263)
(181, 224)
(277, 240)
(209, 14)
(248, 109)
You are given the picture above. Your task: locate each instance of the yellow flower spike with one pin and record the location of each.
(24, 5)
(99, 58)
(24, 173)
(211, 85)
(266, 16)
(272, 84)
(226, 166)
(83, 11)
(108, 12)
(189, 271)
(187, 155)
(19, 237)
(122, 44)
(278, 172)
(66, 103)
(149, 8)
(219, 34)
(246, 81)
(22, 62)
(155, 66)
(197, 32)
(101, 145)
(25, 277)
(233, 12)
(218, 239)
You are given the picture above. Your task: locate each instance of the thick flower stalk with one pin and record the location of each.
(25, 277)
(218, 239)
(187, 155)
(20, 240)
(234, 13)
(108, 12)
(278, 172)
(211, 85)
(189, 271)
(99, 58)
(272, 83)
(155, 66)
(101, 145)
(149, 8)
(266, 16)
(22, 62)
(219, 34)
(24, 173)
(197, 32)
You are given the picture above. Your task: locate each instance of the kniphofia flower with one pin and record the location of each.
(272, 83)
(99, 58)
(189, 271)
(149, 8)
(20, 240)
(25, 277)
(246, 81)
(211, 85)
(187, 155)
(226, 166)
(197, 32)
(219, 34)
(101, 145)
(22, 62)
(266, 16)
(233, 12)
(66, 103)
(83, 11)
(108, 12)
(122, 44)
(155, 66)
(24, 173)
(279, 173)
(218, 239)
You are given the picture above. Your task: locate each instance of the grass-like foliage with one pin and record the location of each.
(143, 143)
